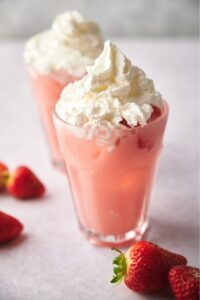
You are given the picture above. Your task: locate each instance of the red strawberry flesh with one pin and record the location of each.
(10, 227)
(172, 259)
(185, 282)
(24, 184)
(124, 123)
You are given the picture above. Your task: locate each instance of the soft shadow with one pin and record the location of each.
(15, 242)
(170, 231)
(3, 193)
(40, 199)
(165, 294)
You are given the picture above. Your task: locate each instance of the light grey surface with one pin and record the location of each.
(19, 18)
(51, 260)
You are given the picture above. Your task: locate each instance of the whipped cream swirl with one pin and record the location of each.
(113, 90)
(70, 45)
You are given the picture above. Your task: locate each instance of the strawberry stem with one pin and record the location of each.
(119, 267)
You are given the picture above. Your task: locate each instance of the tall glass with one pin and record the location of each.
(47, 90)
(111, 174)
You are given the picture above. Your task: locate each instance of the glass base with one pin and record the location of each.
(59, 165)
(121, 240)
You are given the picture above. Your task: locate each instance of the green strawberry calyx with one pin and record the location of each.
(119, 267)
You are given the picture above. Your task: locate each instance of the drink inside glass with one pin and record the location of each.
(110, 127)
(111, 175)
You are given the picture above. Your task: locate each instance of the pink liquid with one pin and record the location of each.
(47, 91)
(111, 187)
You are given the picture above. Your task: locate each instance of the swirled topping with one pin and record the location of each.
(113, 92)
(70, 45)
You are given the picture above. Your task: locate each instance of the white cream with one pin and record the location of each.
(70, 45)
(113, 90)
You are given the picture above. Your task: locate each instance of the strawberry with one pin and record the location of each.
(124, 123)
(4, 174)
(144, 142)
(10, 227)
(155, 114)
(185, 282)
(24, 184)
(145, 266)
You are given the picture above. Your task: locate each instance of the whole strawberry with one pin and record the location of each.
(24, 184)
(185, 282)
(145, 267)
(10, 227)
(4, 174)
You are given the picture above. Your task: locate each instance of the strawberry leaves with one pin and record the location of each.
(119, 267)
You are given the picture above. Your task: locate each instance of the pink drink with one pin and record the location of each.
(111, 176)
(47, 90)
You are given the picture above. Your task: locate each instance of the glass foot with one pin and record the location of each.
(121, 240)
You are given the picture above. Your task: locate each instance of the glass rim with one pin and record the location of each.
(164, 109)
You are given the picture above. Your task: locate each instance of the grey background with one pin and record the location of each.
(118, 18)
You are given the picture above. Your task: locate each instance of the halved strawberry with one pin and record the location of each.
(185, 282)
(155, 114)
(124, 123)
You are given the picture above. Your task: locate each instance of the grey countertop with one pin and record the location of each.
(51, 260)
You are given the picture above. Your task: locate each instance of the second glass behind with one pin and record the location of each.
(55, 58)
(47, 90)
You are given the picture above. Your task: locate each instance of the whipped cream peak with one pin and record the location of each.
(68, 23)
(112, 91)
(72, 24)
(71, 44)
(111, 69)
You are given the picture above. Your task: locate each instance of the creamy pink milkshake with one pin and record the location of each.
(110, 128)
(57, 57)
